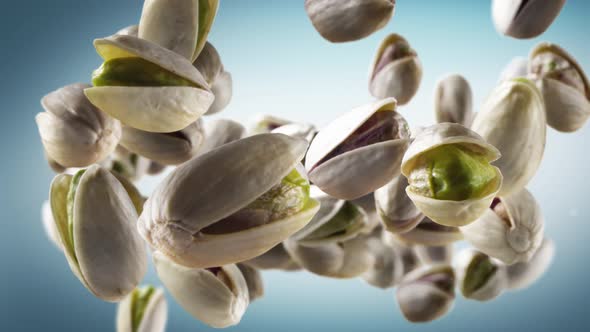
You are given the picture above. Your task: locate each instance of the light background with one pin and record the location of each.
(280, 65)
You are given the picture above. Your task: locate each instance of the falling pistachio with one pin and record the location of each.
(395, 209)
(453, 100)
(430, 233)
(253, 279)
(277, 258)
(479, 276)
(523, 274)
(264, 123)
(387, 266)
(524, 19)
(517, 67)
(219, 132)
(220, 81)
(143, 310)
(430, 255)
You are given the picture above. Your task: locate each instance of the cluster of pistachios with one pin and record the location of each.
(362, 197)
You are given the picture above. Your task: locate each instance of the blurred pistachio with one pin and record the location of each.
(131, 30)
(429, 233)
(217, 296)
(299, 130)
(427, 293)
(220, 81)
(96, 219)
(50, 226)
(513, 120)
(277, 258)
(395, 209)
(155, 168)
(197, 224)
(146, 86)
(143, 310)
(479, 276)
(181, 26)
(360, 151)
(523, 274)
(450, 176)
(409, 258)
(54, 165)
(453, 100)
(396, 71)
(430, 255)
(517, 67)
(253, 279)
(127, 164)
(219, 132)
(387, 268)
(348, 20)
(564, 86)
(264, 123)
(524, 19)
(74, 133)
(511, 229)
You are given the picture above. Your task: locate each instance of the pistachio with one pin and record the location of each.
(127, 164)
(513, 120)
(49, 225)
(453, 100)
(219, 132)
(253, 279)
(74, 133)
(143, 310)
(155, 168)
(220, 81)
(450, 177)
(524, 19)
(264, 123)
(360, 151)
(299, 130)
(480, 277)
(217, 296)
(396, 71)
(95, 219)
(430, 255)
(387, 266)
(517, 67)
(131, 30)
(395, 209)
(54, 165)
(430, 233)
(277, 258)
(348, 20)
(523, 274)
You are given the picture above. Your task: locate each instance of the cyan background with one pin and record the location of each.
(280, 65)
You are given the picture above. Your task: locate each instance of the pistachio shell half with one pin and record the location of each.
(430, 233)
(217, 296)
(387, 266)
(396, 71)
(450, 176)
(49, 225)
(191, 218)
(395, 209)
(523, 274)
(143, 310)
(220, 81)
(430, 255)
(360, 151)
(277, 258)
(524, 19)
(479, 276)
(74, 133)
(253, 279)
(219, 132)
(453, 100)
(511, 229)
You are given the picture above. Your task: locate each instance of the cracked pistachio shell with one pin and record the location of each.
(513, 120)
(74, 132)
(517, 67)
(299, 130)
(220, 81)
(181, 26)
(524, 274)
(160, 109)
(219, 132)
(396, 70)
(49, 225)
(427, 293)
(524, 19)
(430, 233)
(479, 276)
(254, 282)
(565, 88)
(265, 123)
(165, 148)
(101, 244)
(387, 268)
(395, 209)
(153, 308)
(131, 30)
(511, 230)
(449, 212)
(430, 255)
(194, 197)
(277, 258)
(343, 164)
(348, 20)
(453, 100)
(218, 296)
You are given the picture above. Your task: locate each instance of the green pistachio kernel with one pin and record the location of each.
(478, 272)
(452, 172)
(70, 206)
(135, 71)
(347, 220)
(139, 301)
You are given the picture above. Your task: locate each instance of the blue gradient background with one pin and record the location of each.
(280, 65)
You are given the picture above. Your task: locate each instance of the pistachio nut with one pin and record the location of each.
(220, 81)
(95, 219)
(396, 70)
(426, 293)
(191, 218)
(430, 233)
(217, 296)
(277, 258)
(395, 209)
(49, 225)
(299, 130)
(348, 20)
(517, 67)
(523, 274)
(430, 255)
(387, 266)
(74, 133)
(265, 123)
(513, 120)
(253, 279)
(165, 148)
(511, 229)
(453, 100)
(564, 86)
(132, 30)
(127, 164)
(449, 173)
(360, 151)
(524, 19)
(181, 26)
(144, 310)
(479, 276)
(146, 86)
(219, 132)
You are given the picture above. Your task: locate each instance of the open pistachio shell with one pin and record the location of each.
(277, 258)
(395, 209)
(220, 81)
(151, 108)
(430, 233)
(517, 67)
(360, 151)
(219, 132)
(95, 219)
(265, 123)
(430, 255)
(513, 120)
(479, 276)
(524, 19)
(253, 279)
(524, 274)
(396, 70)
(189, 215)
(511, 229)
(445, 211)
(74, 133)
(49, 225)
(217, 296)
(427, 293)
(563, 84)
(387, 266)
(143, 310)
(453, 100)
(348, 20)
